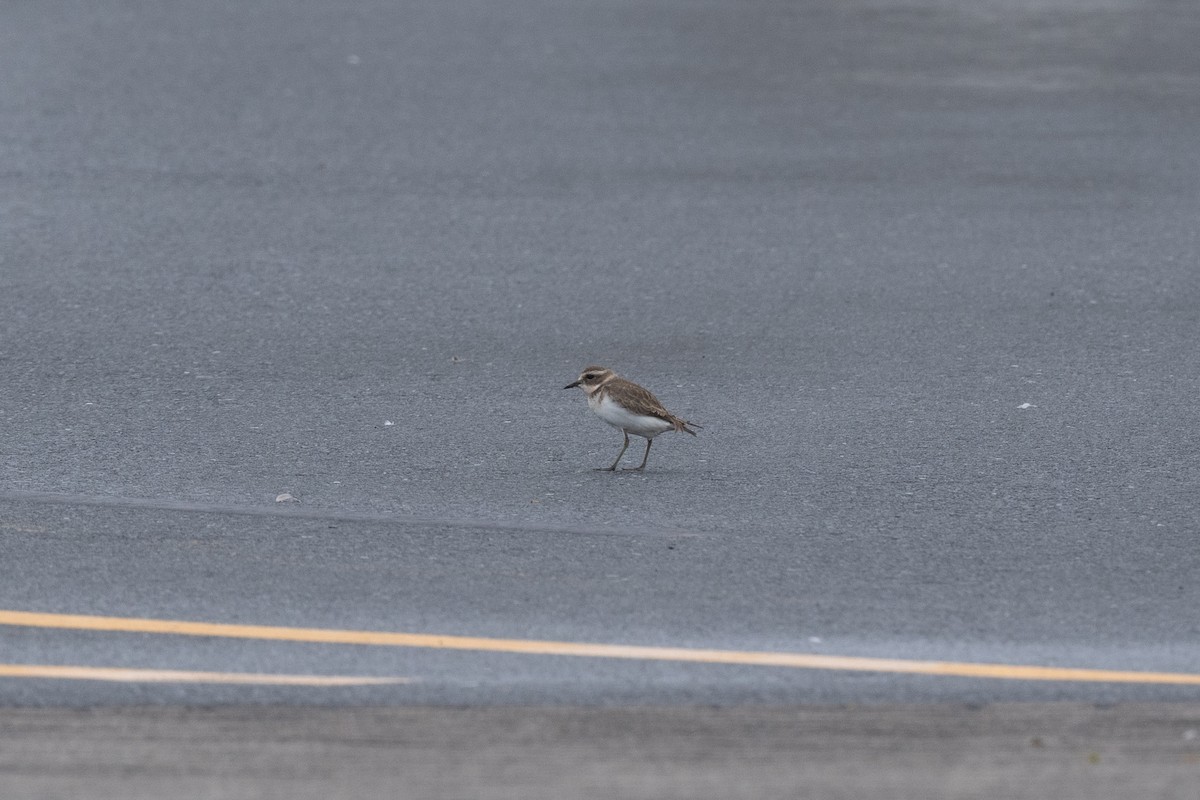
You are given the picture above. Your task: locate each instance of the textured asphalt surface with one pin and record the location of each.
(895, 752)
(926, 272)
(927, 275)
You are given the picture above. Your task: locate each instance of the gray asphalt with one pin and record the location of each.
(1011, 752)
(926, 275)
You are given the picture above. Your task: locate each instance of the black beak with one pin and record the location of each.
(572, 385)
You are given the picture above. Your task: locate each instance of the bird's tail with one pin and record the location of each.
(682, 425)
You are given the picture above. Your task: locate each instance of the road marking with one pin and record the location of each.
(135, 675)
(592, 650)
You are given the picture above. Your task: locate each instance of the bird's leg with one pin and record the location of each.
(618, 461)
(642, 466)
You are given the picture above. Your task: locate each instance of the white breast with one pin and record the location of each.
(618, 417)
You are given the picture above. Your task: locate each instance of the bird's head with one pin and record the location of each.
(592, 378)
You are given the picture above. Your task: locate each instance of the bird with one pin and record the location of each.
(628, 407)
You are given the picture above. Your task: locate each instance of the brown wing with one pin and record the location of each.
(642, 401)
(637, 399)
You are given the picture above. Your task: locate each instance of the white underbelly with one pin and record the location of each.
(637, 424)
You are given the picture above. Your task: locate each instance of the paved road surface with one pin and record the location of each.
(927, 275)
(898, 752)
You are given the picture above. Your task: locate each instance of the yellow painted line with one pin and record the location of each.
(589, 650)
(134, 675)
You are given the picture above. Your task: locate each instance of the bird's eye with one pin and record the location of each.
(589, 376)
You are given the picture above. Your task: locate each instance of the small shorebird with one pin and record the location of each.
(625, 405)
